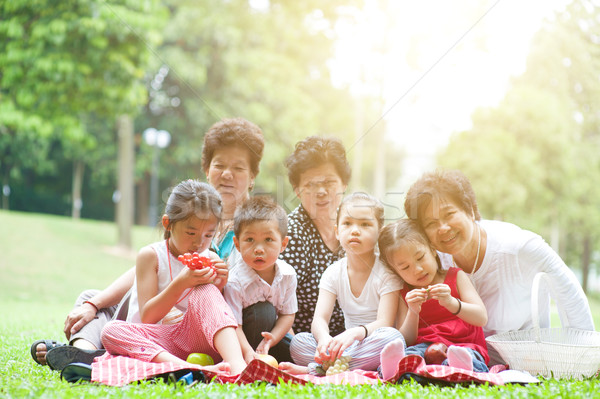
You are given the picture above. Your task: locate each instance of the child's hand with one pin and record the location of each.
(249, 356)
(441, 292)
(222, 273)
(415, 298)
(342, 341)
(322, 352)
(264, 345)
(189, 278)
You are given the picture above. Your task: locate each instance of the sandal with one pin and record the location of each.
(59, 358)
(50, 344)
(76, 372)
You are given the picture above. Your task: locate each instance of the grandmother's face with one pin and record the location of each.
(449, 228)
(229, 172)
(320, 190)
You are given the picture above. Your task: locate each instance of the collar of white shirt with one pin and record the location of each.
(247, 275)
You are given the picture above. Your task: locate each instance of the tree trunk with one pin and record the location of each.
(379, 177)
(5, 188)
(77, 204)
(585, 262)
(125, 181)
(357, 150)
(142, 203)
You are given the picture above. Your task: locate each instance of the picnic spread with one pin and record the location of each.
(119, 371)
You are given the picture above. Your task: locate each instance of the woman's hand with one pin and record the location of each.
(415, 298)
(442, 293)
(78, 318)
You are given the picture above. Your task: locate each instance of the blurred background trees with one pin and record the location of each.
(535, 158)
(70, 70)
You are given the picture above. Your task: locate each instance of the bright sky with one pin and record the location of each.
(444, 59)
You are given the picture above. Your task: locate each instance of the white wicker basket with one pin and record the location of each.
(551, 352)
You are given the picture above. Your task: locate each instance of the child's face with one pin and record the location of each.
(191, 235)
(415, 263)
(260, 244)
(357, 229)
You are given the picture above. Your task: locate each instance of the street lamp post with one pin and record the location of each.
(157, 139)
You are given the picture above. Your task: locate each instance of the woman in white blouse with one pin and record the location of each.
(501, 258)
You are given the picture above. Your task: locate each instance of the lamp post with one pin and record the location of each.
(158, 139)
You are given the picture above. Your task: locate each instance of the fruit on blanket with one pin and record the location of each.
(436, 353)
(200, 358)
(195, 261)
(338, 366)
(270, 360)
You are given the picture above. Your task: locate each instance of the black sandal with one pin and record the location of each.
(76, 372)
(59, 358)
(50, 344)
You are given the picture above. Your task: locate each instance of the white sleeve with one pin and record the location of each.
(233, 297)
(538, 255)
(391, 283)
(290, 305)
(330, 277)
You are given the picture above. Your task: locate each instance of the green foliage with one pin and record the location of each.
(269, 66)
(66, 71)
(60, 63)
(533, 158)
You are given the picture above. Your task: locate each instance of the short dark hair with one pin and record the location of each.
(259, 208)
(378, 209)
(434, 186)
(315, 151)
(234, 132)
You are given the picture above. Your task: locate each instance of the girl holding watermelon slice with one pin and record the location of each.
(231, 154)
(166, 290)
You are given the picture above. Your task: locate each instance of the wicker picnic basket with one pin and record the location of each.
(551, 352)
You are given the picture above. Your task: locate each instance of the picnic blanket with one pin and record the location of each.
(120, 370)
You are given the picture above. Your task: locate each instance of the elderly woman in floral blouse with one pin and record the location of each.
(319, 173)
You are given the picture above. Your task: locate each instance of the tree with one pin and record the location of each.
(532, 159)
(61, 63)
(268, 65)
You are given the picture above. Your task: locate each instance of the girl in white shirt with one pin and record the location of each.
(366, 290)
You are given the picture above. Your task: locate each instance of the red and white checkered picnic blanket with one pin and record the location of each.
(120, 370)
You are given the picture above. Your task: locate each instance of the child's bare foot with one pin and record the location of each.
(391, 354)
(220, 368)
(292, 368)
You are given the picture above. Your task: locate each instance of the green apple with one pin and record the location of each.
(200, 358)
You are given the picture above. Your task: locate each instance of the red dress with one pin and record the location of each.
(437, 324)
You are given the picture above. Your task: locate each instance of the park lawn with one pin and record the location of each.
(47, 260)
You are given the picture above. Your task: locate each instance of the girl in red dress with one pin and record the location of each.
(440, 306)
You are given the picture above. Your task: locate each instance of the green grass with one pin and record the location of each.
(45, 261)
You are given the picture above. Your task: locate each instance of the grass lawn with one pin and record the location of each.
(47, 260)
